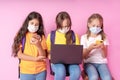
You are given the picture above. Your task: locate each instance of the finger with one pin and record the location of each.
(37, 37)
(43, 59)
(34, 35)
(35, 41)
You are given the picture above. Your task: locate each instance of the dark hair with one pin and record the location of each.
(59, 20)
(100, 18)
(23, 30)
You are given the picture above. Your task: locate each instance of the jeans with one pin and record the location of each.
(94, 70)
(60, 71)
(39, 76)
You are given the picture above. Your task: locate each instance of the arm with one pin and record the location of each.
(48, 41)
(104, 48)
(86, 51)
(104, 51)
(22, 56)
(77, 42)
(39, 43)
(41, 51)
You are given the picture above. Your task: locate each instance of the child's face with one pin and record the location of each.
(95, 23)
(95, 26)
(34, 22)
(33, 25)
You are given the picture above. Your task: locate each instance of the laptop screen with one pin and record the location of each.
(67, 54)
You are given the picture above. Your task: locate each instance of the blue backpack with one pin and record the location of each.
(52, 38)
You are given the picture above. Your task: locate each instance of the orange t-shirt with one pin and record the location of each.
(32, 67)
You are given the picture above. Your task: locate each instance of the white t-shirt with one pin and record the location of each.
(95, 56)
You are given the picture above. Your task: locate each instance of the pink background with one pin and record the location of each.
(13, 13)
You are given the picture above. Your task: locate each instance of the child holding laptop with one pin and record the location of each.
(63, 35)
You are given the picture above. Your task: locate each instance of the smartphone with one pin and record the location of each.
(99, 41)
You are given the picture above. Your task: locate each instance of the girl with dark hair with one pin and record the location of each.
(32, 58)
(63, 35)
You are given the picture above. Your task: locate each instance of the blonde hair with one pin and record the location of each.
(90, 19)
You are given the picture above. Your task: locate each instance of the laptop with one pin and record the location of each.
(66, 54)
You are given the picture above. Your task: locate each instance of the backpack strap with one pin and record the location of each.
(23, 43)
(73, 36)
(52, 36)
(52, 39)
(23, 46)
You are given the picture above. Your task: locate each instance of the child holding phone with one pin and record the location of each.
(95, 49)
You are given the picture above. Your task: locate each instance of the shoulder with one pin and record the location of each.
(48, 37)
(52, 32)
(76, 35)
(84, 36)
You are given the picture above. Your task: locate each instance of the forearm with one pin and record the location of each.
(41, 51)
(25, 57)
(86, 52)
(104, 54)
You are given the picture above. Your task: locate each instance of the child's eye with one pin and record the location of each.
(97, 26)
(36, 24)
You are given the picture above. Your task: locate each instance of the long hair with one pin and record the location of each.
(23, 30)
(100, 18)
(61, 17)
(59, 20)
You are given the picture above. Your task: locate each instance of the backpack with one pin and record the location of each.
(52, 39)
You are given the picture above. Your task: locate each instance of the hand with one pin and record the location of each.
(40, 58)
(101, 45)
(35, 40)
(93, 46)
(36, 36)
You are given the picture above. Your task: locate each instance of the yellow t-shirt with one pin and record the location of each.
(60, 39)
(32, 67)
